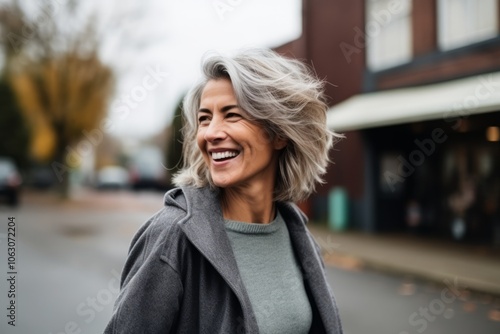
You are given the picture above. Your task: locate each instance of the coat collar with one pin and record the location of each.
(204, 227)
(312, 266)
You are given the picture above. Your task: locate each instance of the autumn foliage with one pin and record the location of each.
(62, 98)
(58, 78)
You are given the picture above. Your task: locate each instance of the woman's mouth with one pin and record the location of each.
(224, 155)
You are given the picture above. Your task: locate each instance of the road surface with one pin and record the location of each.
(68, 259)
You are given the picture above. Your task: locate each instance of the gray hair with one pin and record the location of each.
(284, 97)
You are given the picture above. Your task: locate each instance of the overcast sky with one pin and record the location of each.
(171, 37)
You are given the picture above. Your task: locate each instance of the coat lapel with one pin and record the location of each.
(312, 267)
(204, 227)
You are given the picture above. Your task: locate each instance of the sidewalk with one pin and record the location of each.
(476, 267)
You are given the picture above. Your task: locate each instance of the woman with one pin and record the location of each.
(229, 252)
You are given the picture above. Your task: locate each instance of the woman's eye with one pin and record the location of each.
(232, 115)
(203, 119)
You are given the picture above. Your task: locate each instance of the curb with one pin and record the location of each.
(466, 283)
(333, 256)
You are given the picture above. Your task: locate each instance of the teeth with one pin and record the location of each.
(222, 155)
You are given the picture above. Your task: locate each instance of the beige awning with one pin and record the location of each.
(447, 100)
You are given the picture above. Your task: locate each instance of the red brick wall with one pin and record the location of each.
(347, 169)
(479, 61)
(328, 24)
(424, 26)
(446, 66)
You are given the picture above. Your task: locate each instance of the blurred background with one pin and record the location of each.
(408, 219)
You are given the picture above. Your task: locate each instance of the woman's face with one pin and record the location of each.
(237, 151)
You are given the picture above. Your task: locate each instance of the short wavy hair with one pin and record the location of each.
(284, 97)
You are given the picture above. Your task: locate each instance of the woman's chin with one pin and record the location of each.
(221, 182)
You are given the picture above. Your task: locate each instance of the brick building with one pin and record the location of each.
(415, 87)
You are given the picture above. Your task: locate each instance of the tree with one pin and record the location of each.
(60, 82)
(14, 134)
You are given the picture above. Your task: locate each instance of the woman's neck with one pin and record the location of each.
(254, 205)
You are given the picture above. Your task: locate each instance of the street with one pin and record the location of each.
(69, 255)
(373, 302)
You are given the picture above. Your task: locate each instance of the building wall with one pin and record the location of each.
(437, 66)
(334, 43)
(326, 26)
(464, 163)
(430, 64)
(424, 27)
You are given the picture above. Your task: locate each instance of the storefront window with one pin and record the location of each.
(472, 187)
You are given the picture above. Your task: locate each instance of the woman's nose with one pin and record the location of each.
(215, 131)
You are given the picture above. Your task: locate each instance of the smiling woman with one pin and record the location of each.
(237, 151)
(230, 252)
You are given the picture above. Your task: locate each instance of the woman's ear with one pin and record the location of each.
(279, 143)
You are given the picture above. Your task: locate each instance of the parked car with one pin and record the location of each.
(147, 170)
(10, 181)
(112, 177)
(41, 178)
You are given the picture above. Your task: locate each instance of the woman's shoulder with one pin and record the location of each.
(162, 230)
(293, 213)
(178, 203)
(174, 209)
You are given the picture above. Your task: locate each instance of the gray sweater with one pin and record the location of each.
(271, 276)
(181, 275)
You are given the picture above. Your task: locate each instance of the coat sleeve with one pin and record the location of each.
(151, 288)
(337, 327)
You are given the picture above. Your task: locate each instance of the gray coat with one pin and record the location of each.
(181, 275)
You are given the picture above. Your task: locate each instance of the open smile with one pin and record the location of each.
(224, 155)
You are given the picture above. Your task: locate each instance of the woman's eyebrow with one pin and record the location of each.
(224, 109)
(229, 107)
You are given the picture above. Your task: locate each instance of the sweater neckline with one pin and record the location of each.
(254, 228)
